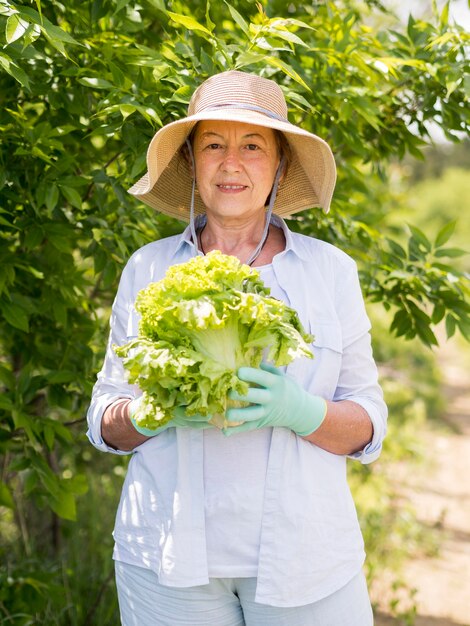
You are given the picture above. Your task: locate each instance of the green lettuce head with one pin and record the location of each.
(200, 323)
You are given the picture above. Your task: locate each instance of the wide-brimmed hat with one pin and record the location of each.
(238, 97)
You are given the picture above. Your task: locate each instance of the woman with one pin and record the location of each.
(257, 527)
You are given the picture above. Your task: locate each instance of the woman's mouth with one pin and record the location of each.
(231, 188)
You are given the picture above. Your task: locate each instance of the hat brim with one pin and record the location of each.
(166, 186)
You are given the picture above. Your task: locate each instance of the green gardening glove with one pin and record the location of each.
(179, 419)
(275, 400)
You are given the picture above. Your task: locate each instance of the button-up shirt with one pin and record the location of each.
(310, 541)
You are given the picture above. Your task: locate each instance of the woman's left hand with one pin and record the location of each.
(275, 400)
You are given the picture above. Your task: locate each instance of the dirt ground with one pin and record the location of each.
(440, 492)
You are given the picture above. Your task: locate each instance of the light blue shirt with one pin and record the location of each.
(311, 544)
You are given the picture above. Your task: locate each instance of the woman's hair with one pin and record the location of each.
(284, 149)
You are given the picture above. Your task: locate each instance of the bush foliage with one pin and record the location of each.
(83, 87)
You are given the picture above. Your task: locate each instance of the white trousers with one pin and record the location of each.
(230, 602)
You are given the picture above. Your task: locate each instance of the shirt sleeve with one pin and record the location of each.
(112, 380)
(358, 379)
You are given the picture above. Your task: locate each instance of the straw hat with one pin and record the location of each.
(238, 97)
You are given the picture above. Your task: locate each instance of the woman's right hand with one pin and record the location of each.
(179, 419)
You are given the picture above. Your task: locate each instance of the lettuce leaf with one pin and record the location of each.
(200, 323)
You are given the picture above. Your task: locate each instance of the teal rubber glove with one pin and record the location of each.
(275, 400)
(179, 419)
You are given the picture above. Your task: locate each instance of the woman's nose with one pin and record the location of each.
(231, 161)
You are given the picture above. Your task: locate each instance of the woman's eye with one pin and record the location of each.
(252, 147)
(213, 146)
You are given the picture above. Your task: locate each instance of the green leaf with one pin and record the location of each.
(424, 331)
(182, 94)
(6, 223)
(49, 29)
(189, 22)
(209, 22)
(286, 35)
(368, 111)
(396, 62)
(48, 478)
(33, 237)
(450, 326)
(59, 235)
(49, 436)
(450, 252)
(157, 4)
(445, 234)
(96, 83)
(420, 237)
(57, 44)
(444, 18)
(6, 499)
(78, 484)
(401, 323)
(38, 4)
(35, 272)
(32, 33)
(160, 70)
(287, 69)
(5, 403)
(237, 18)
(119, 78)
(15, 316)
(290, 21)
(396, 248)
(297, 98)
(64, 505)
(72, 196)
(207, 63)
(14, 70)
(7, 377)
(15, 28)
(52, 196)
(445, 267)
(120, 4)
(61, 376)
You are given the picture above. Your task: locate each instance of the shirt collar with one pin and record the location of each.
(292, 244)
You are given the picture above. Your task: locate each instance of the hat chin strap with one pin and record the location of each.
(193, 192)
(272, 198)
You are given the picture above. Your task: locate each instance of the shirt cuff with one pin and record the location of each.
(95, 414)
(372, 450)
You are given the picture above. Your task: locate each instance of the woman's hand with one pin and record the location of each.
(275, 400)
(179, 419)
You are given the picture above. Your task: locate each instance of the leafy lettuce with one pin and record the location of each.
(199, 324)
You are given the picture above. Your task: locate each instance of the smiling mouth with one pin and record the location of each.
(231, 187)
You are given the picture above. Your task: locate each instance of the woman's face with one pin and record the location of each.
(235, 167)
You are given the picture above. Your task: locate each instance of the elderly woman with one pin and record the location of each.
(257, 527)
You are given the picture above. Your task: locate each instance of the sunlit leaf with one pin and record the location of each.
(189, 22)
(15, 28)
(96, 83)
(14, 70)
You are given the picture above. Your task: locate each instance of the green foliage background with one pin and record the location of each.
(83, 87)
